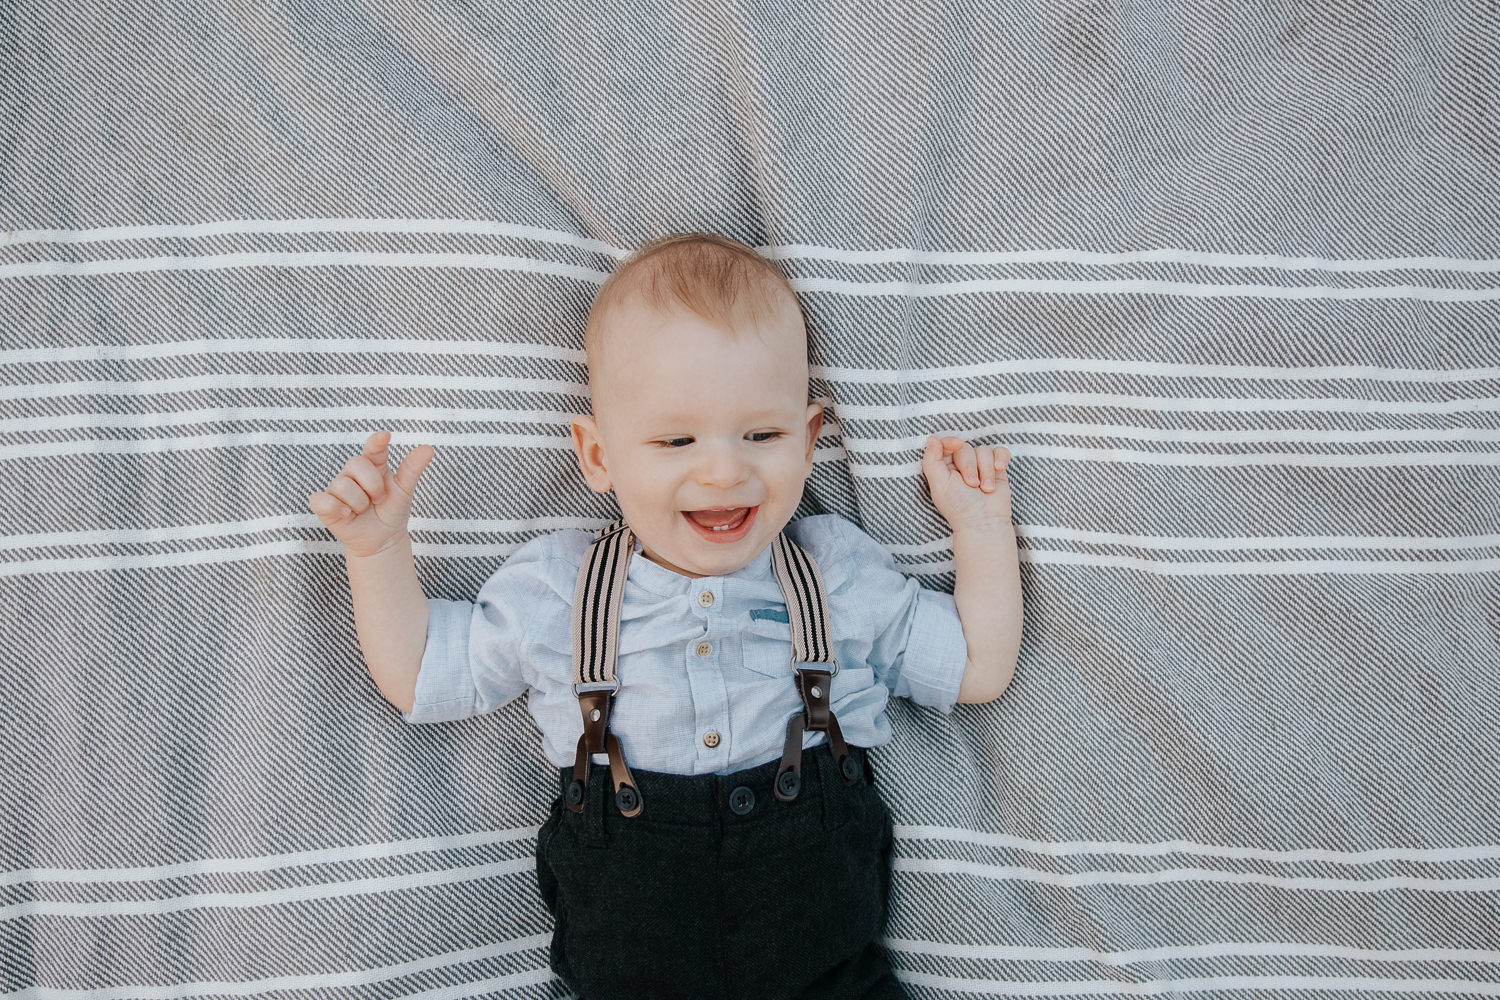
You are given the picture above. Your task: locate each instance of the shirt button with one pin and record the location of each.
(704, 648)
(706, 599)
(711, 738)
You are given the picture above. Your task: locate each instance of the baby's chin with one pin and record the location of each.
(704, 560)
(696, 568)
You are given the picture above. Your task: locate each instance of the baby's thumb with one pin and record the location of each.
(931, 455)
(412, 467)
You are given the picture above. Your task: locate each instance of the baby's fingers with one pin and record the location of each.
(330, 509)
(984, 463)
(367, 475)
(376, 448)
(965, 460)
(992, 461)
(351, 494)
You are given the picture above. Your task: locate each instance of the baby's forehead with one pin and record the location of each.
(634, 327)
(655, 364)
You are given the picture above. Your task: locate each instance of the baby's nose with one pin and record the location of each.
(721, 466)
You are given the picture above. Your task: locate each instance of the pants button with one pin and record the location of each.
(741, 801)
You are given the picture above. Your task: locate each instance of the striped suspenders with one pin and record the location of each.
(596, 629)
(813, 665)
(596, 626)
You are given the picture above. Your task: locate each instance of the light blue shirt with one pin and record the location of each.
(704, 664)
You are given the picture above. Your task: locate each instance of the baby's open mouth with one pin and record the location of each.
(721, 524)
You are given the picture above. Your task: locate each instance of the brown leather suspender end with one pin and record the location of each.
(627, 799)
(814, 684)
(597, 738)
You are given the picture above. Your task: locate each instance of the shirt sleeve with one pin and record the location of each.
(916, 642)
(480, 656)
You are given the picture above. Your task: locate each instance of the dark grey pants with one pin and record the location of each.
(717, 891)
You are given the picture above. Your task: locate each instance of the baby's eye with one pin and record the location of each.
(681, 442)
(762, 436)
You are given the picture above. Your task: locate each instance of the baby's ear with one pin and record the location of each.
(814, 425)
(590, 452)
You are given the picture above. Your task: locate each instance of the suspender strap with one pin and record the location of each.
(806, 603)
(596, 628)
(812, 657)
(596, 605)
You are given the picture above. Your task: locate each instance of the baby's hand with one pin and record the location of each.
(968, 483)
(366, 506)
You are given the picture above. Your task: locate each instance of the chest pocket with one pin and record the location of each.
(766, 641)
(766, 644)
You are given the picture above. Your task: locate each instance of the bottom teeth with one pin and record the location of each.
(719, 519)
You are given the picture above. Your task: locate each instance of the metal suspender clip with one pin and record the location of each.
(821, 665)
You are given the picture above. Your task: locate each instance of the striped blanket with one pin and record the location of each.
(1224, 277)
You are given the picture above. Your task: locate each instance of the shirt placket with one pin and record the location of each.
(706, 682)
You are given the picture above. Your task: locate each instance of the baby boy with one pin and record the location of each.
(718, 832)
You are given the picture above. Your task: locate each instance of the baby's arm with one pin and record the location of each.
(970, 489)
(366, 507)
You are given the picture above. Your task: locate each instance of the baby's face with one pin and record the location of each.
(705, 437)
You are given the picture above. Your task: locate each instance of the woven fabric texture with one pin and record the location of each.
(1224, 277)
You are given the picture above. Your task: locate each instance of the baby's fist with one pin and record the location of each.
(968, 483)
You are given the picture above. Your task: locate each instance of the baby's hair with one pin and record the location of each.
(712, 276)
